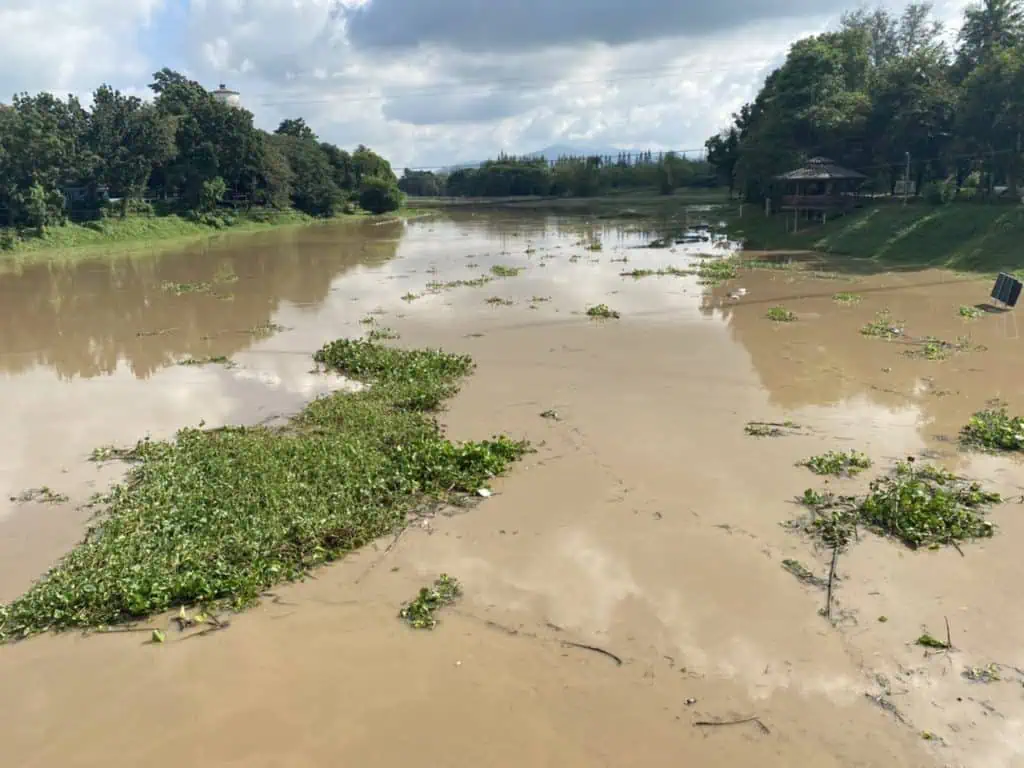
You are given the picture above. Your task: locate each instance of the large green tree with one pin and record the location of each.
(127, 138)
(40, 142)
(313, 188)
(992, 112)
(989, 26)
(186, 148)
(812, 105)
(884, 89)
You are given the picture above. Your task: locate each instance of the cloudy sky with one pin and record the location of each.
(431, 82)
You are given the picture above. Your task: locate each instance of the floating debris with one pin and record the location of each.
(802, 573)
(216, 360)
(771, 428)
(987, 674)
(42, 495)
(180, 289)
(781, 315)
(883, 326)
(500, 270)
(419, 613)
(837, 463)
(602, 312)
(846, 298)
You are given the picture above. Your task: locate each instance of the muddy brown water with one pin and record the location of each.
(647, 524)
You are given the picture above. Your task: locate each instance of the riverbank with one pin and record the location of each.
(117, 235)
(633, 204)
(965, 237)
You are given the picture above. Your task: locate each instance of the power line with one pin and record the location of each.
(538, 83)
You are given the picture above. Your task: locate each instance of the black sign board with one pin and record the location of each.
(1006, 289)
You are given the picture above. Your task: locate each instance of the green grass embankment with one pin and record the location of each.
(116, 235)
(968, 237)
(140, 230)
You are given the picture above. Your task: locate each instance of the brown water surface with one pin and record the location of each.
(647, 524)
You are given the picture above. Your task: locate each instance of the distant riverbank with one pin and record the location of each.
(643, 204)
(117, 235)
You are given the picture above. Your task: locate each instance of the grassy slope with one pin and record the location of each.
(118, 235)
(967, 237)
(140, 229)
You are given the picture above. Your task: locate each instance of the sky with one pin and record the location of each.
(434, 82)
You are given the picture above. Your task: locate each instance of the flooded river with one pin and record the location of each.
(647, 524)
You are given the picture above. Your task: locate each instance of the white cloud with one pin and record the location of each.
(71, 45)
(436, 81)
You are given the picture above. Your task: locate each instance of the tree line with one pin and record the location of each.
(576, 176)
(184, 150)
(885, 90)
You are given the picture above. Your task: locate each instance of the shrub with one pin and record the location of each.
(211, 193)
(377, 195)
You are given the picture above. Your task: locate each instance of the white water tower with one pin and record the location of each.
(226, 96)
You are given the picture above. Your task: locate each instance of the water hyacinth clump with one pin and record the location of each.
(217, 517)
(838, 463)
(994, 429)
(919, 505)
(923, 505)
(883, 326)
(420, 612)
(500, 270)
(781, 315)
(846, 298)
(717, 271)
(602, 312)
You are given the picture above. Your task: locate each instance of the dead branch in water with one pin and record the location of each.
(764, 728)
(118, 630)
(217, 627)
(387, 551)
(831, 581)
(888, 706)
(512, 631)
(595, 649)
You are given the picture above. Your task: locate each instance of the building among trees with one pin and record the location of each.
(818, 188)
(227, 96)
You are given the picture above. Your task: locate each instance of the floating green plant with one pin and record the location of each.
(219, 516)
